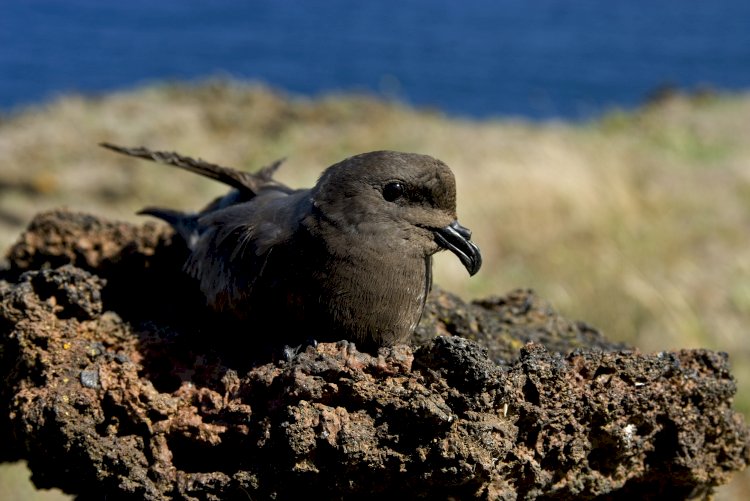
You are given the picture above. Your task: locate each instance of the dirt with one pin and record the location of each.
(120, 384)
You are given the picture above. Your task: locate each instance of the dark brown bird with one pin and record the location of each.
(350, 258)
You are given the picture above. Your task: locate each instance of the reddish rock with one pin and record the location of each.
(119, 384)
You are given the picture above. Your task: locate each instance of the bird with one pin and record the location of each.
(349, 259)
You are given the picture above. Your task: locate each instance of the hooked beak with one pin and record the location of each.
(455, 238)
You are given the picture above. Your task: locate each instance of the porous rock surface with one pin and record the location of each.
(118, 384)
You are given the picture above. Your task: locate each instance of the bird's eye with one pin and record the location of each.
(393, 191)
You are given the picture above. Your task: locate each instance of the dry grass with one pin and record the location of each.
(636, 223)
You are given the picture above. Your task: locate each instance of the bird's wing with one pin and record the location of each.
(247, 186)
(235, 244)
(247, 183)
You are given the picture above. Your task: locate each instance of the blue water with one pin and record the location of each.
(533, 58)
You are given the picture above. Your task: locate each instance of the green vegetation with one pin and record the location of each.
(637, 223)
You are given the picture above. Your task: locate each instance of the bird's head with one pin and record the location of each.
(402, 201)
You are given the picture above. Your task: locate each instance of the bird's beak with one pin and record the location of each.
(455, 238)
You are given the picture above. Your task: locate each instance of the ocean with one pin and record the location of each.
(537, 59)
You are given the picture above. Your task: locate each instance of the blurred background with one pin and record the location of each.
(601, 149)
(485, 58)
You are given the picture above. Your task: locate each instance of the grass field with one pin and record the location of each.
(637, 223)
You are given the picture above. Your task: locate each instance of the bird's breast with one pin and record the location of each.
(375, 298)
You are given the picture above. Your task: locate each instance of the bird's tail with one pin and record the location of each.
(186, 225)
